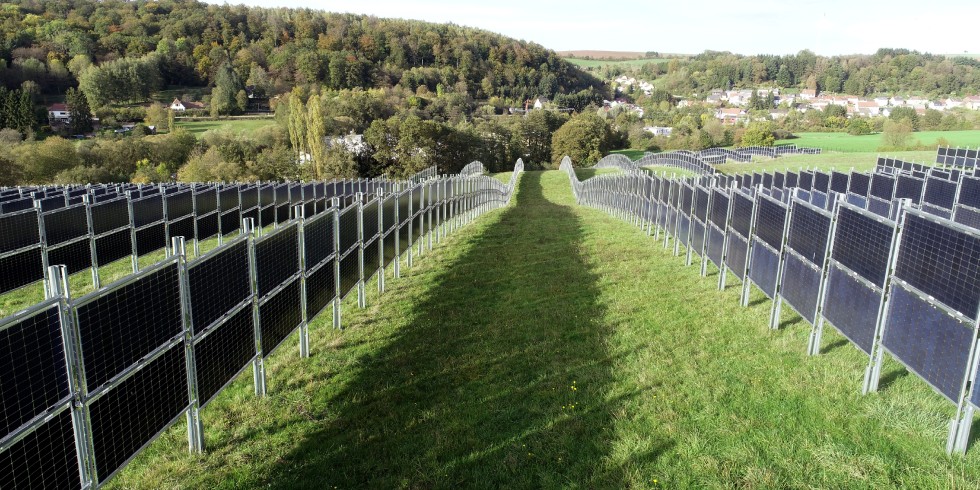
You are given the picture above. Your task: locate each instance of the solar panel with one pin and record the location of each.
(218, 282)
(821, 181)
(940, 192)
(862, 244)
(927, 340)
(882, 186)
(764, 268)
(769, 222)
(851, 306)
(318, 238)
(800, 286)
(159, 389)
(909, 187)
(743, 207)
(321, 288)
(348, 228)
(967, 216)
(970, 192)
(859, 184)
(223, 352)
(839, 182)
(279, 315)
(65, 224)
(276, 258)
(44, 458)
(123, 324)
(941, 261)
(350, 272)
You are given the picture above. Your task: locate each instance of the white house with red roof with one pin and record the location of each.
(59, 113)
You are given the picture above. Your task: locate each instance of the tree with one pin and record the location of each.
(858, 126)
(43, 160)
(297, 124)
(907, 113)
(758, 134)
(224, 96)
(896, 135)
(316, 131)
(156, 116)
(79, 113)
(585, 138)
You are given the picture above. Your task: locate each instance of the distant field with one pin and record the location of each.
(847, 143)
(842, 161)
(593, 63)
(236, 125)
(600, 54)
(631, 154)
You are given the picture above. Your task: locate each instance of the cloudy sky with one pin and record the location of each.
(826, 27)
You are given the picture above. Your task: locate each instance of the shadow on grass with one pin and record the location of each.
(501, 378)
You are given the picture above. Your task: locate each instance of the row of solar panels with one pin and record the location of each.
(958, 157)
(908, 286)
(91, 381)
(701, 162)
(94, 232)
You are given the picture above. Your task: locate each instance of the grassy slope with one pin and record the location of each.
(825, 161)
(869, 143)
(245, 125)
(551, 345)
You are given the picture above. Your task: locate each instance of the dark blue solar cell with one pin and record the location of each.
(801, 286)
(279, 316)
(909, 187)
(701, 204)
(683, 227)
(882, 186)
(862, 244)
(851, 307)
(942, 262)
(764, 268)
(716, 245)
(719, 208)
(818, 199)
(218, 284)
(937, 211)
(806, 180)
(697, 236)
(880, 207)
(735, 259)
(809, 230)
(838, 182)
(769, 222)
(859, 184)
(321, 288)
(743, 207)
(350, 270)
(224, 352)
(940, 192)
(967, 216)
(931, 343)
(44, 458)
(276, 258)
(970, 192)
(821, 182)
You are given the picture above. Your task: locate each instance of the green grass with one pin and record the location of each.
(550, 345)
(236, 125)
(844, 142)
(632, 154)
(861, 162)
(597, 63)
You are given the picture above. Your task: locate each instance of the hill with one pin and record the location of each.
(187, 43)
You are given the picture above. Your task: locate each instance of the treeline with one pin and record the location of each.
(888, 71)
(17, 110)
(122, 51)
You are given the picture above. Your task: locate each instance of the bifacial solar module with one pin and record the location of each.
(279, 315)
(821, 182)
(76, 256)
(967, 216)
(123, 325)
(862, 244)
(716, 245)
(909, 187)
(970, 192)
(370, 220)
(350, 273)
(18, 231)
(809, 231)
(277, 258)
(32, 362)
(742, 210)
(318, 237)
(321, 288)
(800, 286)
(65, 224)
(737, 254)
(151, 238)
(851, 307)
(218, 283)
(931, 343)
(119, 431)
(839, 182)
(941, 261)
(764, 268)
(223, 352)
(770, 220)
(348, 230)
(45, 458)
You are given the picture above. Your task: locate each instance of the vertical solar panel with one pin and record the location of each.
(120, 326)
(218, 282)
(821, 181)
(318, 238)
(119, 431)
(44, 458)
(279, 315)
(770, 221)
(909, 187)
(321, 288)
(839, 182)
(859, 184)
(277, 257)
(222, 352)
(882, 186)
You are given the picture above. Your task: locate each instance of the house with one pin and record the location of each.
(540, 102)
(730, 115)
(972, 102)
(59, 113)
(775, 114)
(952, 103)
(177, 106)
(353, 143)
(917, 102)
(867, 107)
(896, 101)
(881, 101)
(659, 130)
(808, 94)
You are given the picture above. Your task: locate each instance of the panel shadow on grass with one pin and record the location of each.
(499, 378)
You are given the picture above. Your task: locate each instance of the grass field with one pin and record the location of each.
(236, 125)
(861, 162)
(550, 345)
(593, 63)
(847, 143)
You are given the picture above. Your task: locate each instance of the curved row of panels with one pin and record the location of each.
(90, 381)
(875, 256)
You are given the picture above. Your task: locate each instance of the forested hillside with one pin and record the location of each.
(142, 46)
(888, 71)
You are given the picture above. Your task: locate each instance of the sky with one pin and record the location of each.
(828, 27)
